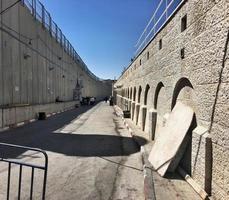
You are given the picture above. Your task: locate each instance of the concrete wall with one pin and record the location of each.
(196, 81)
(34, 68)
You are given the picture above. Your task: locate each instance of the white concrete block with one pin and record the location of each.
(170, 138)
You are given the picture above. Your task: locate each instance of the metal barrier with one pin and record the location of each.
(22, 164)
(39, 12)
(164, 10)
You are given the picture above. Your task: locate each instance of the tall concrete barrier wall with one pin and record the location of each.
(35, 68)
(192, 67)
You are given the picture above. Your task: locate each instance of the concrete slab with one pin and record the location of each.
(170, 138)
(157, 187)
(8, 117)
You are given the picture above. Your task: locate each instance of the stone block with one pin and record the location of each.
(166, 152)
(143, 116)
(202, 157)
(152, 123)
(137, 113)
(9, 117)
(132, 109)
(20, 114)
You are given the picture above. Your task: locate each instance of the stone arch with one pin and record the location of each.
(128, 99)
(135, 92)
(122, 98)
(160, 106)
(139, 93)
(138, 104)
(133, 105)
(183, 92)
(181, 84)
(144, 109)
(146, 94)
(157, 91)
(123, 93)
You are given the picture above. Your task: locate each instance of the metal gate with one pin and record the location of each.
(4, 148)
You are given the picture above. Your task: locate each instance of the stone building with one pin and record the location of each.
(187, 61)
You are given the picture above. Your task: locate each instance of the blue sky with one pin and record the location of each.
(103, 32)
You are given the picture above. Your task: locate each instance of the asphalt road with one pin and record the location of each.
(91, 157)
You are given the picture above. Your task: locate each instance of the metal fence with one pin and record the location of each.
(5, 151)
(39, 12)
(164, 10)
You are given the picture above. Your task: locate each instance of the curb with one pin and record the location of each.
(149, 191)
(23, 123)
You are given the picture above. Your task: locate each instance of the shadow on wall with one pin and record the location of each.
(43, 135)
(183, 82)
(186, 161)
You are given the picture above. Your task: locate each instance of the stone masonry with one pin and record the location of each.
(151, 86)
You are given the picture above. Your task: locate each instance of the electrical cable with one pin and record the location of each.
(6, 9)
(31, 48)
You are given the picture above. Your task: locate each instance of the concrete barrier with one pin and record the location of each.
(0, 118)
(15, 115)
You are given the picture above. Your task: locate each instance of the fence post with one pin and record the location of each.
(43, 14)
(56, 32)
(50, 24)
(166, 11)
(61, 38)
(33, 7)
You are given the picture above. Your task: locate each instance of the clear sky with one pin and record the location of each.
(103, 32)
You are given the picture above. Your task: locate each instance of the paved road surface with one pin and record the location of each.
(91, 156)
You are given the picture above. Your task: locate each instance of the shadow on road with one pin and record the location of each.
(43, 135)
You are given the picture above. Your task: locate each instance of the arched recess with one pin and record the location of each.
(134, 96)
(160, 105)
(146, 94)
(139, 93)
(157, 91)
(138, 105)
(182, 83)
(128, 99)
(131, 93)
(183, 92)
(122, 99)
(123, 93)
(133, 106)
(144, 110)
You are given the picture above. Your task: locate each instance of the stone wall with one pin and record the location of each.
(200, 80)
